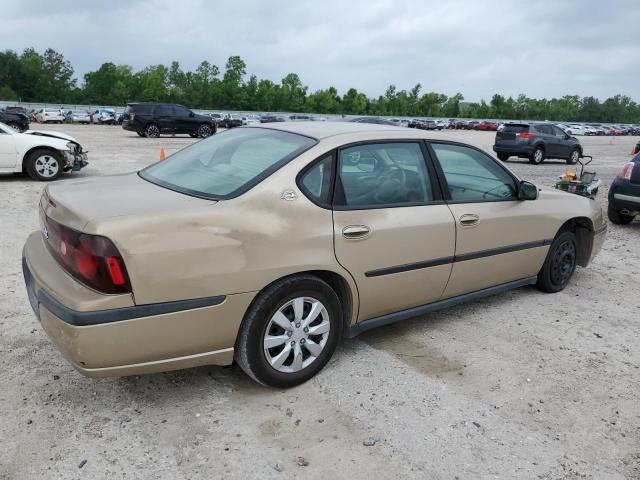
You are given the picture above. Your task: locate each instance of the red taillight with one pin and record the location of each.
(92, 259)
(625, 173)
(526, 135)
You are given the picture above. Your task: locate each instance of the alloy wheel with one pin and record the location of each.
(47, 166)
(296, 334)
(537, 156)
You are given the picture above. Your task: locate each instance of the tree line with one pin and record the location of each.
(48, 77)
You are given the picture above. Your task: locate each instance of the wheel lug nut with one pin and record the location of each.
(293, 343)
(306, 329)
(302, 340)
(297, 325)
(289, 334)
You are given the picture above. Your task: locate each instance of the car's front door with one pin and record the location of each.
(7, 150)
(392, 231)
(498, 237)
(564, 145)
(185, 121)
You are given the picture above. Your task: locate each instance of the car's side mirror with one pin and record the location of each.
(527, 191)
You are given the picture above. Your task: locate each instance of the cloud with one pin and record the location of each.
(543, 48)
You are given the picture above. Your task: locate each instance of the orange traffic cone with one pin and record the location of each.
(162, 155)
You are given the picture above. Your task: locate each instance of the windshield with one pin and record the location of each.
(227, 164)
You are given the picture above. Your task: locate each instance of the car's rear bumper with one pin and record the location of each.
(517, 150)
(624, 195)
(108, 335)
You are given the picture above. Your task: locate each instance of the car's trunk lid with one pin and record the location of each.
(509, 133)
(75, 203)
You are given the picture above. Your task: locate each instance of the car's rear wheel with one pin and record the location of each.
(205, 130)
(573, 157)
(152, 131)
(619, 218)
(537, 157)
(503, 156)
(289, 332)
(560, 263)
(44, 165)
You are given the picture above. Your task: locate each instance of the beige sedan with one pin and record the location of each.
(267, 245)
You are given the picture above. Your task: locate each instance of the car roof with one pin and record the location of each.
(320, 130)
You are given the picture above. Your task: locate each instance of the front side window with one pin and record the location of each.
(473, 176)
(383, 174)
(227, 164)
(558, 132)
(181, 111)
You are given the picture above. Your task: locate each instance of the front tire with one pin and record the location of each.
(289, 332)
(618, 218)
(560, 263)
(573, 157)
(152, 131)
(537, 157)
(44, 165)
(205, 130)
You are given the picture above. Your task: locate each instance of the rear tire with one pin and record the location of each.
(618, 218)
(573, 157)
(272, 317)
(44, 165)
(152, 131)
(560, 263)
(537, 156)
(503, 156)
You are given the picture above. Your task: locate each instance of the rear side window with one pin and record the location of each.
(316, 182)
(515, 128)
(181, 111)
(473, 176)
(227, 164)
(140, 109)
(383, 174)
(164, 110)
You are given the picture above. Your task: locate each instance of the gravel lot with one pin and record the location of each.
(520, 385)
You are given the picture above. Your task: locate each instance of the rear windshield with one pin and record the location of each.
(515, 128)
(227, 164)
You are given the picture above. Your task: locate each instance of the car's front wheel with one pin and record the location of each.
(617, 217)
(537, 157)
(205, 130)
(290, 331)
(560, 263)
(44, 165)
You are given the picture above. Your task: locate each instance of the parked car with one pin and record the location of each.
(232, 120)
(250, 120)
(413, 123)
(373, 120)
(21, 110)
(153, 119)
(487, 126)
(42, 155)
(49, 115)
(218, 118)
(271, 119)
(215, 254)
(427, 125)
(460, 125)
(300, 118)
(442, 124)
(77, 116)
(575, 129)
(624, 193)
(15, 120)
(104, 116)
(536, 141)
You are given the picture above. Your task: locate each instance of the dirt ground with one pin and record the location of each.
(520, 385)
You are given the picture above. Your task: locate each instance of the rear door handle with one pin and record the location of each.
(469, 220)
(354, 232)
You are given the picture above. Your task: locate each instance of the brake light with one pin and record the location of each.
(526, 135)
(92, 259)
(625, 173)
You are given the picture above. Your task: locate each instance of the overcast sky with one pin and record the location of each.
(545, 48)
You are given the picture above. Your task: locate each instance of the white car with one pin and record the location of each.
(50, 115)
(251, 120)
(575, 129)
(42, 155)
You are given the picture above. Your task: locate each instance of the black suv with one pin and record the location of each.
(17, 121)
(152, 119)
(624, 194)
(536, 141)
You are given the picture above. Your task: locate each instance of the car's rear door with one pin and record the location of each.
(392, 231)
(165, 117)
(497, 235)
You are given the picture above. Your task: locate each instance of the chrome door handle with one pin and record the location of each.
(469, 220)
(353, 232)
